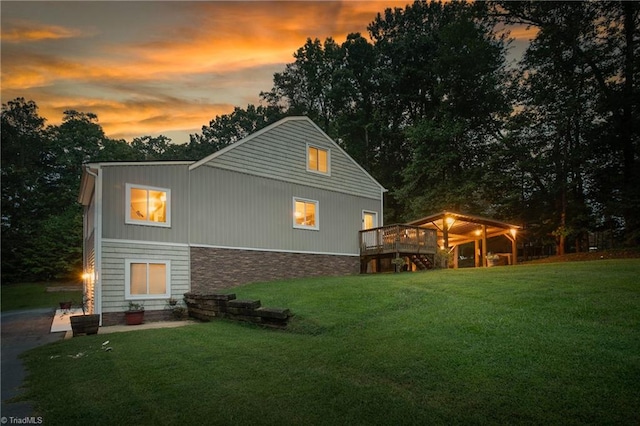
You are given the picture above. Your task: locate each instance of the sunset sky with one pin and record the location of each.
(151, 67)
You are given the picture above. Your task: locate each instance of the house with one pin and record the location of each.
(284, 202)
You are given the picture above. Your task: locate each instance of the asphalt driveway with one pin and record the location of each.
(21, 331)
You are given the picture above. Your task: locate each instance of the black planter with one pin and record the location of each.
(85, 324)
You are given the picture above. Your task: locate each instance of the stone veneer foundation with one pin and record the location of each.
(215, 269)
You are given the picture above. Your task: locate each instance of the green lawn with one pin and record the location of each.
(543, 344)
(35, 295)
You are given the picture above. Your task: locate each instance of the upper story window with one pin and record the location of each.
(148, 205)
(305, 214)
(318, 159)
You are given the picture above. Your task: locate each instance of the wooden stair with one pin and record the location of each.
(422, 262)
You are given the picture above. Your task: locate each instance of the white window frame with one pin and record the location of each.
(315, 227)
(327, 150)
(147, 296)
(146, 222)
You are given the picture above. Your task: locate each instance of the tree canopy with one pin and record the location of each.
(426, 102)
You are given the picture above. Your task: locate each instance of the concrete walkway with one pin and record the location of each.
(21, 331)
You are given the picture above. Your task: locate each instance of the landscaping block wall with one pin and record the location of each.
(206, 306)
(214, 269)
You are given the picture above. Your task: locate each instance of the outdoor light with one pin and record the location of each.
(513, 232)
(449, 221)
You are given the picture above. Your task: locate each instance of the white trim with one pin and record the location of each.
(97, 241)
(274, 250)
(318, 148)
(139, 163)
(381, 218)
(157, 243)
(146, 222)
(146, 296)
(316, 225)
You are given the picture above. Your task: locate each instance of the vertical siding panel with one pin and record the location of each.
(259, 214)
(174, 177)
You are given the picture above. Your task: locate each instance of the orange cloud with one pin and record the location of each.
(523, 32)
(177, 71)
(18, 31)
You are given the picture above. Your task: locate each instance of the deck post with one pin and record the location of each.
(484, 246)
(514, 246)
(456, 253)
(478, 255)
(445, 234)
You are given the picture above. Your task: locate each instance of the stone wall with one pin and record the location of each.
(206, 306)
(214, 269)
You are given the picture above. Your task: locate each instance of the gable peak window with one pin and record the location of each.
(147, 205)
(318, 159)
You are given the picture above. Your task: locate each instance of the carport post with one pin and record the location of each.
(484, 245)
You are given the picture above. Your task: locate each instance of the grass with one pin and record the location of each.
(543, 344)
(35, 295)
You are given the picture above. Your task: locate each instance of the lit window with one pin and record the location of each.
(148, 206)
(147, 279)
(305, 214)
(317, 159)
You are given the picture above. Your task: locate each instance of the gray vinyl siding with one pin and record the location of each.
(115, 178)
(114, 254)
(231, 209)
(280, 153)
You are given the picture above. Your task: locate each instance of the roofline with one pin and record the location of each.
(254, 135)
(87, 181)
(465, 217)
(140, 163)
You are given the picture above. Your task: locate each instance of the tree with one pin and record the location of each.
(150, 148)
(25, 163)
(441, 70)
(230, 128)
(603, 41)
(304, 87)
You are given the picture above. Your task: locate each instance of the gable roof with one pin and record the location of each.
(269, 128)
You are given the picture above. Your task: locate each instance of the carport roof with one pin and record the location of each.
(464, 228)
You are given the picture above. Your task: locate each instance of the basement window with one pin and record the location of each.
(147, 279)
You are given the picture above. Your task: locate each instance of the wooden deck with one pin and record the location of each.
(417, 244)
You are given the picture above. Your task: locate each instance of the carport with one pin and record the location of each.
(454, 229)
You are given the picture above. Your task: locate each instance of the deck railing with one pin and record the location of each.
(398, 239)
